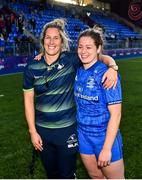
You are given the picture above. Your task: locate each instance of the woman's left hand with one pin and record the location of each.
(38, 57)
(109, 79)
(104, 158)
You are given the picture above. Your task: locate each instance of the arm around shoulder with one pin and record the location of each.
(110, 77)
(106, 59)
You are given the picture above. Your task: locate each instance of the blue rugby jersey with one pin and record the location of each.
(53, 88)
(92, 99)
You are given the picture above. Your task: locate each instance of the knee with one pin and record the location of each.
(96, 175)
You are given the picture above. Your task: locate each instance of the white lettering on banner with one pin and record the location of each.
(1, 67)
(22, 65)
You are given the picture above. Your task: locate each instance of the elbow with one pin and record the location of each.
(118, 114)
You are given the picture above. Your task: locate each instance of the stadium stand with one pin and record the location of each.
(21, 25)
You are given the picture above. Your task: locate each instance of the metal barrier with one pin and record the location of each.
(23, 48)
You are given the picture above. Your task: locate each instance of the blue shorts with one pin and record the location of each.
(94, 145)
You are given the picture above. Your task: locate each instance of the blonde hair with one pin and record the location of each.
(60, 25)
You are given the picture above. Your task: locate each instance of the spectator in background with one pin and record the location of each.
(49, 101)
(32, 22)
(12, 18)
(3, 26)
(21, 21)
(8, 24)
(2, 22)
(2, 46)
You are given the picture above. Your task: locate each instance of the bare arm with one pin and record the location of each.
(108, 60)
(30, 117)
(112, 129)
(110, 77)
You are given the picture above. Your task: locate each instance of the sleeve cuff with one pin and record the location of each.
(31, 89)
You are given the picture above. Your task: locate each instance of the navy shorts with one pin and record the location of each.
(60, 147)
(94, 145)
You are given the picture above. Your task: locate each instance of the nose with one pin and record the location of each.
(51, 40)
(83, 50)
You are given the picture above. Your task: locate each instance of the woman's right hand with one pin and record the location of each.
(37, 141)
(104, 158)
(38, 57)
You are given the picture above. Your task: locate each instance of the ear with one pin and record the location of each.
(99, 49)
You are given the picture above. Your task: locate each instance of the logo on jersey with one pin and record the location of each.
(89, 98)
(79, 89)
(38, 77)
(90, 82)
(60, 66)
(72, 141)
(49, 68)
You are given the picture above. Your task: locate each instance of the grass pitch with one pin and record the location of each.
(15, 146)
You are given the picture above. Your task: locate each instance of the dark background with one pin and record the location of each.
(129, 9)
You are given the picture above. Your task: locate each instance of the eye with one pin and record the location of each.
(88, 47)
(56, 38)
(47, 37)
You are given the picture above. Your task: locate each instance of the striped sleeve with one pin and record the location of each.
(114, 96)
(28, 79)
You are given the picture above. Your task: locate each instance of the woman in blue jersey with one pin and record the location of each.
(49, 101)
(98, 112)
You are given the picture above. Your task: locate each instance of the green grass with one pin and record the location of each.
(15, 146)
(131, 124)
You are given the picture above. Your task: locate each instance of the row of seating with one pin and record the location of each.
(74, 26)
(113, 27)
(27, 11)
